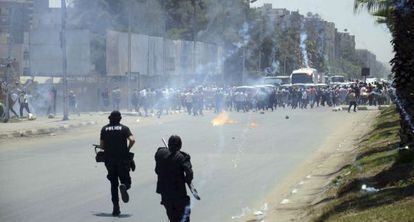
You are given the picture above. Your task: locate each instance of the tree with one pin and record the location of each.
(185, 17)
(399, 17)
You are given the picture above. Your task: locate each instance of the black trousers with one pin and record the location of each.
(24, 106)
(352, 103)
(118, 171)
(178, 210)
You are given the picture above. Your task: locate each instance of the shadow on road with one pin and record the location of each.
(102, 214)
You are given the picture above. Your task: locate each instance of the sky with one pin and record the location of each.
(368, 34)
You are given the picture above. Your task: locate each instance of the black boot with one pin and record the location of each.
(124, 194)
(116, 211)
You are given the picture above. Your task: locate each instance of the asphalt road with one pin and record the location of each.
(55, 178)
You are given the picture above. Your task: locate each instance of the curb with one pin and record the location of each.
(45, 131)
(364, 108)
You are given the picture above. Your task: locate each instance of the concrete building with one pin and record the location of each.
(329, 40)
(369, 60)
(345, 45)
(275, 14)
(335, 46)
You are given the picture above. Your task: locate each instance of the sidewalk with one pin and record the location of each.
(46, 126)
(43, 125)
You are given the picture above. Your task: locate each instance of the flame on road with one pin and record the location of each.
(222, 119)
(253, 125)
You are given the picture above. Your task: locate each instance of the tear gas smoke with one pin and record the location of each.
(303, 39)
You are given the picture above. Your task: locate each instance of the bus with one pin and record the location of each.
(336, 80)
(306, 76)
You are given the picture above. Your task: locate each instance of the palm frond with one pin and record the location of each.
(373, 5)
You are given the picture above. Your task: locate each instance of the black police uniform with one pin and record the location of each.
(117, 159)
(174, 170)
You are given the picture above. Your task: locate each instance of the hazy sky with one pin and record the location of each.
(369, 35)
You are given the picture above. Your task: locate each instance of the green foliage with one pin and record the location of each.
(382, 9)
(185, 18)
(401, 212)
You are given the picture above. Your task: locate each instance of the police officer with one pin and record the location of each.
(173, 168)
(116, 141)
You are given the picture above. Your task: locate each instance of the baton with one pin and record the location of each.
(190, 185)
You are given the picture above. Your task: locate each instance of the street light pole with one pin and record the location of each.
(7, 91)
(244, 43)
(64, 61)
(8, 69)
(129, 60)
(194, 37)
(163, 45)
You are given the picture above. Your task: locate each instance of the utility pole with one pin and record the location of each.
(129, 60)
(7, 90)
(163, 44)
(64, 61)
(8, 68)
(244, 65)
(244, 43)
(194, 37)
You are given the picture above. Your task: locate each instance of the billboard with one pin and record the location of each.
(365, 71)
(46, 52)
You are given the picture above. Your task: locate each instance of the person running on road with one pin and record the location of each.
(24, 103)
(73, 105)
(352, 99)
(116, 141)
(174, 170)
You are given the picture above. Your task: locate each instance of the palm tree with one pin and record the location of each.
(399, 17)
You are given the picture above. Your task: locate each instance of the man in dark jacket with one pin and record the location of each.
(114, 141)
(173, 168)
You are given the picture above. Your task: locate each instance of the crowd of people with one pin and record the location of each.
(195, 100)
(253, 98)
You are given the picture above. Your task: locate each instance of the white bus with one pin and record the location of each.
(306, 76)
(333, 80)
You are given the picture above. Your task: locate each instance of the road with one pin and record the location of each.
(236, 165)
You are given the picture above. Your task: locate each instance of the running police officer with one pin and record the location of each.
(173, 168)
(116, 141)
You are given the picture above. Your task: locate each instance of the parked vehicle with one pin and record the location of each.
(336, 80)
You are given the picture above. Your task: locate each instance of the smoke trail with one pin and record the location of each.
(228, 53)
(303, 39)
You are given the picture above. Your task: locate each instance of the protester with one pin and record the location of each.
(24, 103)
(73, 105)
(352, 99)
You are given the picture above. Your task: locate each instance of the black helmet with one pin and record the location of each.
(115, 115)
(174, 143)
